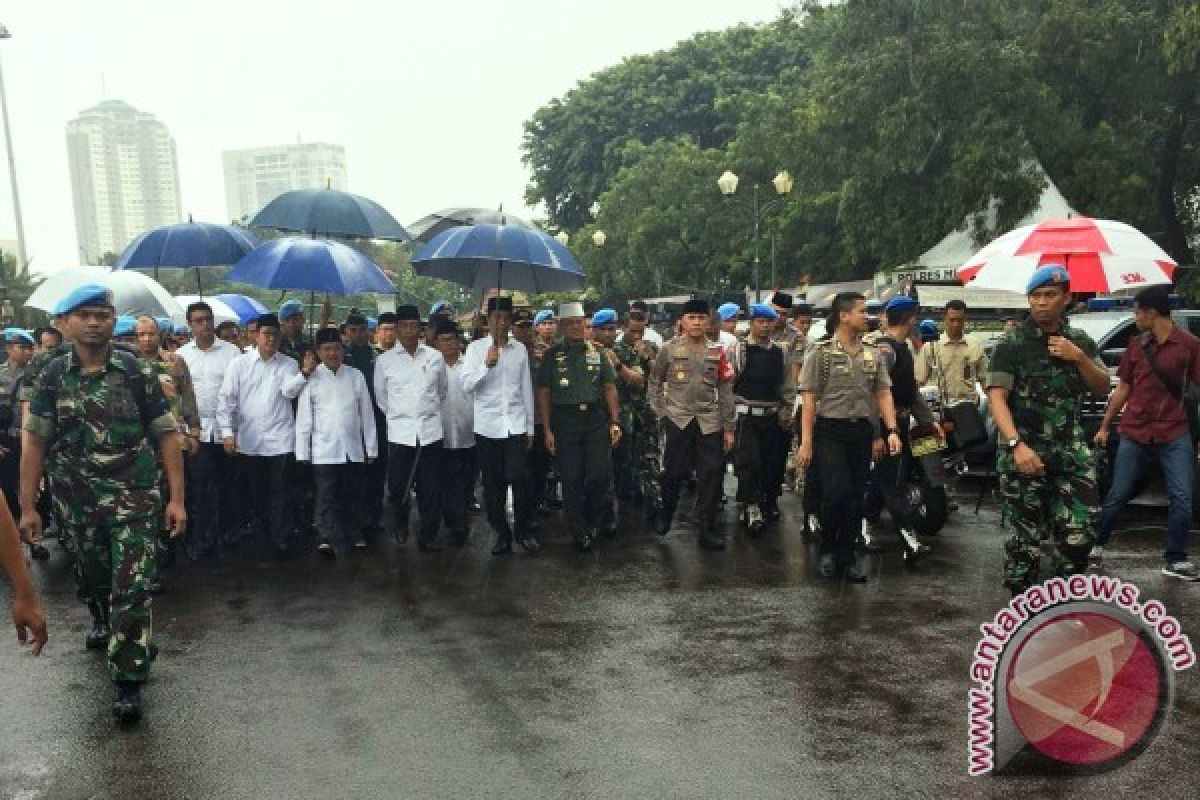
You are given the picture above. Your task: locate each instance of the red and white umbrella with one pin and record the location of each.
(1101, 256)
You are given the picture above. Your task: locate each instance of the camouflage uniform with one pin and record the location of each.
(640, 427)
(1045, 395)
(176, 382)
(97, 428)
(10, 433)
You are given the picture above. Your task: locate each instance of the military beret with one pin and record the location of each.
(126, 325)
(267, 321)
(372, 324)
(605, 316)
(570, 311)
(438, 308)
(781, 300)
(328, 336)
(1049, 275)
(499, 304)
(728, 311)
(696, 306)
(545, 315)
(292, 308)
(181, 330)
(87, 295)
(406, 313)
(18, 336)
(900, 302)
(928, 330)
(165, 325)
(762, 311)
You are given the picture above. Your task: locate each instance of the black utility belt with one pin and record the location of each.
(576, 408)
(844, 420)
(756, 411)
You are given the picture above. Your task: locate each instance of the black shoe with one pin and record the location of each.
(711, 540)
(529, 543)
(428, 547)
(914, 551)
(97, 637)
(360, 544)
(401, 534)
(326, 551)
(662, 525)
(155, 588)
(128, 706)
(828, 566)
(851, 573)
(38, 551)
(474, 507)
(584, 539)
(544, 509)
(503, 546)
(770, 512)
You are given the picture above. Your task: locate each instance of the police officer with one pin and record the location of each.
(1040, 375)
(691, 390)
(844, 382)
(764, 396)
(95, 411)
(577, 396)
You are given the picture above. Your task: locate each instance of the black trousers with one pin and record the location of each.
(503, 464)
(456, 485)
(842, 453)
(538, 465)
(208, 496)
(583, 457)
(374, 479)
(760, 444)
(10, 473)
(338, 488)
(887, 487)
(687, 449)
(419, 467)
(625, 464)
(267, 488)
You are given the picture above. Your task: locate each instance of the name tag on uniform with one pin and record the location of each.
(680, 376)
(563, 382)
(593, 359)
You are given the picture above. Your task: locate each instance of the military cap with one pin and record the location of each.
(180, 330)
(928, 330)
(499, 304)
(900, 302)
(405, 313)
(1049, 275)
(728, 311)
(696, 306)
(781, 300)
(126, 325)
(18, 336)
(328, 336)
(439, 307)
(292, 308)
(267, 321)
(165, 325)
(570, 311)
(87, 295)
(605, 316)
(545, 315)
(762, 311)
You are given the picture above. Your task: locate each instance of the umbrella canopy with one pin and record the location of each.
(221, 312)
(317, 265)
(428, 227)
(188, 244)
(246, 308)
(329, 212)
(1100, 255)
(500, 256)
(133, 292)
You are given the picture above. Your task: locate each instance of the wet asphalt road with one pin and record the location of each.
(645, 669)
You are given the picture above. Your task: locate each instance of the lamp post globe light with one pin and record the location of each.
(599, 238)
(783, 183)
(563, 238)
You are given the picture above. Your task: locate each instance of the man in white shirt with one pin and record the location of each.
(208, 474)
(335, 430)
(410, 385)
(458, 442)
(254, 416)
(496, 372)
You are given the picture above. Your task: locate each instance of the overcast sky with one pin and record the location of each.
(428, 98)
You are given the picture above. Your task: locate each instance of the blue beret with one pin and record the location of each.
(126, 326)
(728, 311)
(372, 324)
(901, 301)
(545, 315)
(18, 336)
(1049, 275)
(605, 316)
(165, 325)
(928, 331)
(181, 330)
(762, 311)
(89, 294)
(437, 307)
(291, 308)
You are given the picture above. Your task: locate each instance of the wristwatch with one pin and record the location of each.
(1012, 443)
(890, 431)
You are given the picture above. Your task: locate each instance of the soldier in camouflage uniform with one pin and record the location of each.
(19, 345)
(92, 415)
(1040, 374)
(636, 355)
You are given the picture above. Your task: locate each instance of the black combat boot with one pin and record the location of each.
(97, 637)
(127, 708)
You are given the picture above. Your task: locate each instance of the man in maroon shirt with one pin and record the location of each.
(1158, 364)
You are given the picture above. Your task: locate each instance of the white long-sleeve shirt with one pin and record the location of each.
(409, 390)
(335, 420)
(255, 404)
(458, 411)
(208, 368)
(503, 394)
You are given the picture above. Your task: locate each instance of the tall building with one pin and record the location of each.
(124, 176)
(256, 176)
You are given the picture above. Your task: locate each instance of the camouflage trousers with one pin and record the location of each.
(114, 563)
(649, 467)
(1059, 507)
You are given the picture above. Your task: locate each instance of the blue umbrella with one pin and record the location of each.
(500, 256)
(247, 308)
(187, 245)
(329, 212)
(317, 265)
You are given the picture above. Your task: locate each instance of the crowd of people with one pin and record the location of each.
(126, 434)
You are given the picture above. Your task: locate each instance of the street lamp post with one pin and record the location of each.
(12, 164)
(783, 183)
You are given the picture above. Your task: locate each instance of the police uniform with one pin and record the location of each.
(954, 366)
(763, 395)
(844, 382)
(576, 378)
(691, 390)
(97, 426)
(1045, 397)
